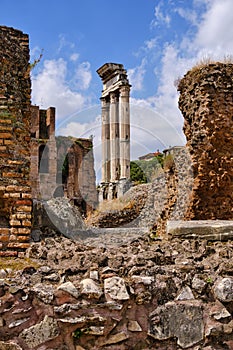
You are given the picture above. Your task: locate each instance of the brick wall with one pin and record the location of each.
(15, 189)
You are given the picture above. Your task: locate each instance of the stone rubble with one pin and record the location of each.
(143, 294)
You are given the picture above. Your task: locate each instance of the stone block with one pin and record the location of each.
(91, 288)
(40, 333)
(223, 289)
(207, 229)
(182, 320)
(9, 346)
(68, 287)
(114, 288)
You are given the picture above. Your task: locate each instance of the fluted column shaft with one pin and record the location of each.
(114, 137)
(124, 132)
(105, 140)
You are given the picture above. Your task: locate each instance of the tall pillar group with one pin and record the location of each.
(115, 130)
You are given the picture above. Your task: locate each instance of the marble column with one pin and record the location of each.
(105, 140)
(124, 132)
(114, 137)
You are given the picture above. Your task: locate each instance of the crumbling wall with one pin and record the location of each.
(43, 153)
(15, 189)
(206, 102)
(76, 173)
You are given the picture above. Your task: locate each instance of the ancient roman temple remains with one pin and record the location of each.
(115, 131)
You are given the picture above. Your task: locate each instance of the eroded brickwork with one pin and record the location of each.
(15, 189)
(43, 153)
(206, 101)
(76, 165)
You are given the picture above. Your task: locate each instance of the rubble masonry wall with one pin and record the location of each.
(206, 102)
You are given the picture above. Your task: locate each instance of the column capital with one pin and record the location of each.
(104, 101)
(125, 90)
(114, 97)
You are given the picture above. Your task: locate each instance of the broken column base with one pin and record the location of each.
(113, 190)
(211, 230)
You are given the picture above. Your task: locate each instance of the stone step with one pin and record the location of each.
(212, 230)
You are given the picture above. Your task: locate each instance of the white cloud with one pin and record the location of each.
(160, 16)
(50, 88)
(215, 32)
(64, 43)
(187, 14)
(83, 76)
(136, 76)
(151, 44)
(74, 57)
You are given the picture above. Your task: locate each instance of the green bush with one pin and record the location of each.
(143, 171)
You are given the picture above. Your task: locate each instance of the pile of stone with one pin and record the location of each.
(141, 295)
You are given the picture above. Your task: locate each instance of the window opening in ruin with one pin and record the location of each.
(114, 192)
(105, 193)
(65, 170)
(43, 132)
(43, 164)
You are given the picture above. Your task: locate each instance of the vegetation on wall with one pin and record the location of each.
(143, 171)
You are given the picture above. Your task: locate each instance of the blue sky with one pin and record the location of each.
(157, 41)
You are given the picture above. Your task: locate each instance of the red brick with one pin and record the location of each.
(9, 253)
(5, 135)
(23, 202)
(17, 245)
(24, 208)
(4, 238)
(22, 238)
(4, 231)
(24, 231)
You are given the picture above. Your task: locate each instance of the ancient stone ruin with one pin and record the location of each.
(15, 117)
(61, 166)
(76, 178)
(119, 289)
(43, 153)
(206, 102)
(115, 131)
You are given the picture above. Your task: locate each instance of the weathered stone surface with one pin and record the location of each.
(223, 289)
(44, 292)
(155, 271)
(219, 312)
(40, 333)
(183, 320)
(91, 288)
(9, 346)
(93, 330)
(116, 338)
(206, 103)
(69, 288)
(206, 229)
(198, 284)
(134, 326)
(114, 288)
(147, 280)
(185, 294)
(60, 215)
